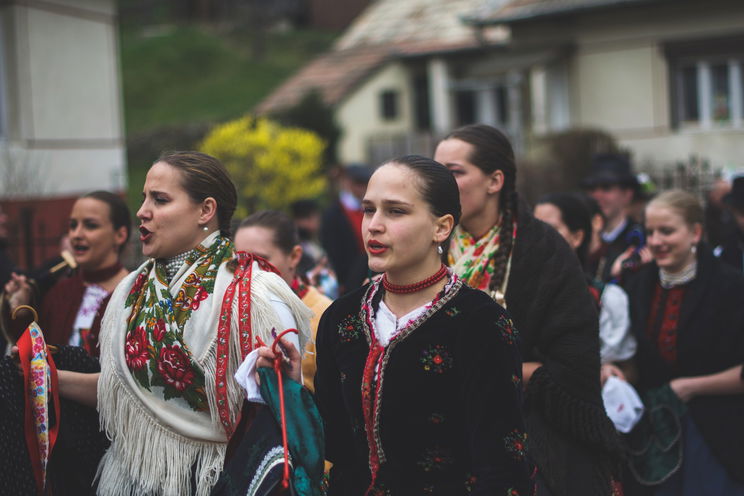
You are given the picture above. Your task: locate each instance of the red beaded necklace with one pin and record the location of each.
(416, 286)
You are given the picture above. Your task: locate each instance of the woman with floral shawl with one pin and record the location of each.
(523, 264)
(174, 333)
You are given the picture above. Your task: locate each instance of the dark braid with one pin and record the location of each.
(501, 256)
(492, 151)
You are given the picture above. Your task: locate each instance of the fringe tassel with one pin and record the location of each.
(155, 460)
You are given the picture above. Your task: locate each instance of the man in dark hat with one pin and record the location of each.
(341, 228)
(731, 251)
(613, 185)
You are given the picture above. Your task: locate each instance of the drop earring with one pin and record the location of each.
(440, 250)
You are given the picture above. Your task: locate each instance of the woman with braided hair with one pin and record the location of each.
(526, 266)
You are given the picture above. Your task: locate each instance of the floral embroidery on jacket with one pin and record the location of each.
(436, 419)
(470, 481)
(379, 490)
(516, 380)
(452, 312)
(436, 358)
(516, 444)
(350, 329)
(507, 330)
(435, 459)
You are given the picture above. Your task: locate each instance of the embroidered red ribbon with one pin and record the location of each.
(282, 410)
(25, 353)
(242, 282)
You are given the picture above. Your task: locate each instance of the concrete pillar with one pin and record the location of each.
(439, 97)
(485, 106)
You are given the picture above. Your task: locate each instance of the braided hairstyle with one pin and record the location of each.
(492, 151)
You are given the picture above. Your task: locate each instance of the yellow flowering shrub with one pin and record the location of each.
(272, 165)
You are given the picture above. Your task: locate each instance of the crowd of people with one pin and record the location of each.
(428, 333)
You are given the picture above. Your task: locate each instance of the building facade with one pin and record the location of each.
(61, 123)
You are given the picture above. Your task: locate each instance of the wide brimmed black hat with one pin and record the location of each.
(735, 197)
(610, 169)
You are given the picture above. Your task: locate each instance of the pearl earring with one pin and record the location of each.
(205, 228)
(439, 249)
(693, 249)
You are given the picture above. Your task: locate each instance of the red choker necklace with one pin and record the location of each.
(415, 287)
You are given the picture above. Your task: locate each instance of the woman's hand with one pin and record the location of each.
(617, 266)
(291, 358)
(682, 388)
(529, 368)
(607, 370)
(726, 382)
(18, 291)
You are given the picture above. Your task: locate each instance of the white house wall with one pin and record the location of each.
(618, 75)
(64, 87)
(626, 73)
(622, 77)
(360, 118)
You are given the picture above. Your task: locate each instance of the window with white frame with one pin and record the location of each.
(707, 85)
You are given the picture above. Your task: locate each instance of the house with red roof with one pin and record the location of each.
(665, 77)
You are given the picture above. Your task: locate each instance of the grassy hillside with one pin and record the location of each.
(177, 75)
(178, 80)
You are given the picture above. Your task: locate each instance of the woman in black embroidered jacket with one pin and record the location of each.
(687, 313)
(419, 376)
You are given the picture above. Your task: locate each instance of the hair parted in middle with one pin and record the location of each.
(437, 186)
(492, 151)
(118, 211)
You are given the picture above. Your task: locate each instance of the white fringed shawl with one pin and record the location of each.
(161, 447)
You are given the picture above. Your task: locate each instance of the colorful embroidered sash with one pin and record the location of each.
(242, 282)
(40, 381)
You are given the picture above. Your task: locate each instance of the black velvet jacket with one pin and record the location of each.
(572, 441)
(449, 420)
(710, 339)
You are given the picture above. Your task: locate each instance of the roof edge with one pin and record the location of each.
(476, 21)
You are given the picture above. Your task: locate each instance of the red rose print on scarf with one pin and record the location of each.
(158, 331)
(201, 295)
(136, 349)
(175, 367)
